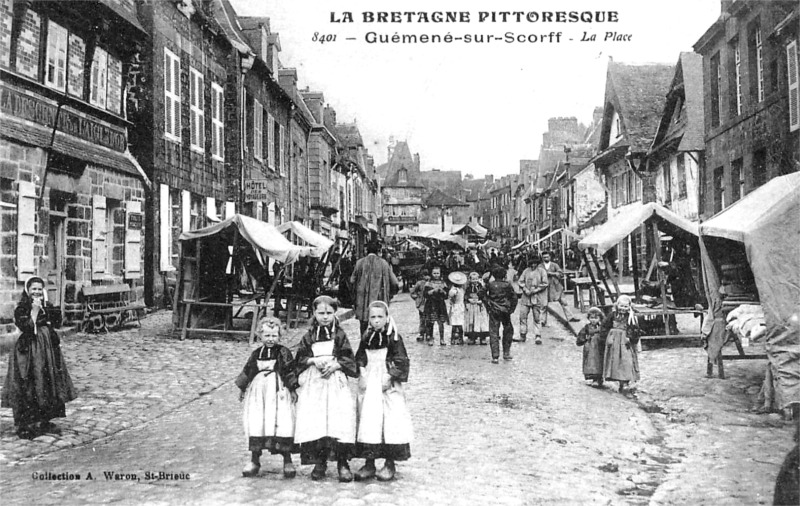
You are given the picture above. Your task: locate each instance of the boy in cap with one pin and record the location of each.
(500, 301)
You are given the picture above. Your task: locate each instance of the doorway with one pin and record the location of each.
(56, 241)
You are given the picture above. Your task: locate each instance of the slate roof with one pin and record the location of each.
(687, 86)
(402, 159)
(438, 198)
(638, 93)
(348, 134)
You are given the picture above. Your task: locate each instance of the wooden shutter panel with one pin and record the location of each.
(164, 222)
(133, 240)
(99, 229)
(26, 230)
(230, 209)
(186, 211)
(281, 143)
(794, 86)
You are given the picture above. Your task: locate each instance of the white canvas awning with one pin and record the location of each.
(612, 232)
(320, 243)
(264, 237)
(564, 231)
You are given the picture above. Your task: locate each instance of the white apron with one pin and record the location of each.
(325, 407)
(268, 408)
(382, 416)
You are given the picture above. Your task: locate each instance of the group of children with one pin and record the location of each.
(475, 307)
(460, 305)
(610, 345)
(303, 404)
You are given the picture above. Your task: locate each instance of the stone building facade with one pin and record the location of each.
(71, 193)
(752, 102)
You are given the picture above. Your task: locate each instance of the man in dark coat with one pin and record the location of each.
(500, 301)
(372, 280)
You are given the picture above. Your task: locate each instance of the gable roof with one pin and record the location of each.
(402, 159)
(348, 134)
(686, 88)
(637, 93)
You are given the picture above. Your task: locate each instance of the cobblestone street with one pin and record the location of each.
(526, 431)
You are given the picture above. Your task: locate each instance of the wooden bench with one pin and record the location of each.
(102, 301)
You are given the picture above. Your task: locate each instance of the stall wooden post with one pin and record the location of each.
(605, 282)
(257, 312)
(635, 260)
(660, 276)
(178, 295)
(589, 268)
(228, 296)
(195, 289)
(610, 271)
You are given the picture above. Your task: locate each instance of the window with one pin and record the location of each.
(172, 96)
(99, 78)
(196, 109)
(735, 81)
(756, 62)
(76, 53)
(716, 78)
(165, 205)
(719, 189)
(794, 86)
(402, 176)
(195, 213)
(681, 174)
(217, 122)
(667, 182)
(678, 112)
(759, 167)
(737, 180)
(258, 125)
(56, 60)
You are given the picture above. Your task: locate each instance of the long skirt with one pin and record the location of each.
(325, 427)
(436, 311)
(620, 362)
(37, 383)
(268, 414)
(476, 321)
(384, 423)
(593, 352)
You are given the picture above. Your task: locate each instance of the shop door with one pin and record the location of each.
(54, 275)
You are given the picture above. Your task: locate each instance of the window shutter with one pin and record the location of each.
(281, 159)
(99, 251)
(794, 86)
(133, 241)
(165, 220)
(271, 142)
(186, 211)
(26, 230)
(230, 209)
(258, 123)
(99, 76)
(211, 209)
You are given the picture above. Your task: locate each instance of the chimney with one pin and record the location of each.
(329, 116)
(314, 100)
(288, 78)
(416, 160)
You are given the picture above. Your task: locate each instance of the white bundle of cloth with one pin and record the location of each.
(747, 320)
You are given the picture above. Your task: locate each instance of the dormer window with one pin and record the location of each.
(616, 129)
(402, 176)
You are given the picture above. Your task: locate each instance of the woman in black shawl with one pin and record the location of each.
(37, 384)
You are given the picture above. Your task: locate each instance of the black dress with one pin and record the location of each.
(37, 384)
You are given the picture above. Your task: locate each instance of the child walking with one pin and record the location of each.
(457, 307)
(621, 361)
(591, 338)
(326, 412)
(476, 321)
(384, 424)
(267, 386)
(418, 294)
(435, 307)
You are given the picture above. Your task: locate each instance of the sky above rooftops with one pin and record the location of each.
(477, 108)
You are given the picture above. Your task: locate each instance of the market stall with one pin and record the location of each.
(304, 279)
(216, 262)
(751, 256)
(655, 218)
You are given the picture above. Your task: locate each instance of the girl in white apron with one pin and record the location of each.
(268, 383)
(384, 424)
(326, 411)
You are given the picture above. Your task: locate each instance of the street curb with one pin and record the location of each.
(563, 320)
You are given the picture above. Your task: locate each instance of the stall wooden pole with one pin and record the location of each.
(339, 261)
(589, 268)
(635, 260)
(257, 312)
(605, 282)
(660, 276)
(611, 273)
(178, 295)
